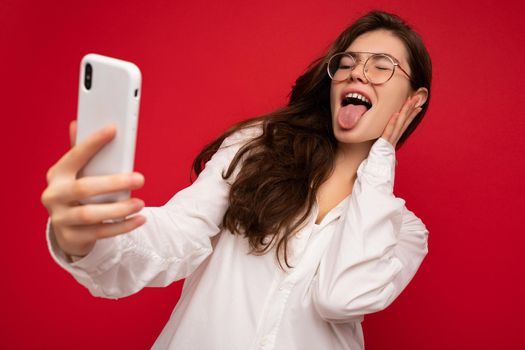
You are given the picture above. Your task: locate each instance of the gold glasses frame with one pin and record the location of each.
(352, 54)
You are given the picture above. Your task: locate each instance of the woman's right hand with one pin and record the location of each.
(77, 227)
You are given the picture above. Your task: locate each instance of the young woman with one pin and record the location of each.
(291, 232)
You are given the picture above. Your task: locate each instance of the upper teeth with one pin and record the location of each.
(359, 96)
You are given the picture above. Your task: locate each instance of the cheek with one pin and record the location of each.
(379, 116)
(392, 102)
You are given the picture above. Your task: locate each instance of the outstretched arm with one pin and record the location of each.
(173, 242)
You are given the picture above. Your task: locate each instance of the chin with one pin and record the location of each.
(351, 136)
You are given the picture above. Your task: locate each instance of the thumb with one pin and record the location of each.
(73, 132)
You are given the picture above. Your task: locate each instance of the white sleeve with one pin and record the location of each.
(173, 242)
(377, 246)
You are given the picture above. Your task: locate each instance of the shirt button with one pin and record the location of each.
(283, 287)
(264, 340)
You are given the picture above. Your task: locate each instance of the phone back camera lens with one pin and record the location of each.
(88, 76)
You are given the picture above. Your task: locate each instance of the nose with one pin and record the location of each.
(358, 73)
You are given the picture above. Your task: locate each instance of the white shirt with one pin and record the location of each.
(356, 261)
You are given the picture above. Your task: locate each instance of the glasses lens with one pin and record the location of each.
(339, 66)
(379, 68)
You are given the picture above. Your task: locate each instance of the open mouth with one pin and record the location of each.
(353, 106)
(356, 99)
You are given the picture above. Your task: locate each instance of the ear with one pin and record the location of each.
(422, 94)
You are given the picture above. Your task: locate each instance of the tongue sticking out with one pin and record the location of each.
(349, 115)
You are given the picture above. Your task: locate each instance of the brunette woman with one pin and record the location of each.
(291, 232)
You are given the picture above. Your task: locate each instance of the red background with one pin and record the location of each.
(461, 172)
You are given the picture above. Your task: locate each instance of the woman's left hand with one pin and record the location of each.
(401, 120)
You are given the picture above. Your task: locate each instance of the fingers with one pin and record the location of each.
(77, 227)
(400, 120)
(80, 154)
(84, 187)
(389, 129)
(408, 120)
(73, 132)
(97, 213)
(115, 229)
(405, 112)
(79, 240)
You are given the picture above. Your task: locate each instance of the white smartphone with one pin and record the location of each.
(109, 93)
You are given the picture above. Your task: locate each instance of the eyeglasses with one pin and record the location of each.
(378, 68)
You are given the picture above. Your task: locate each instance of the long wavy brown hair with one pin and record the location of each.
(283, 168)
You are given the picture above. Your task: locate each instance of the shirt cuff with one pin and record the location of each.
(378, 169)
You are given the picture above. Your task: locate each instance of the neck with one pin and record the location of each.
(349, 156)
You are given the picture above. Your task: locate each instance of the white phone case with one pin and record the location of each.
(112, 98)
